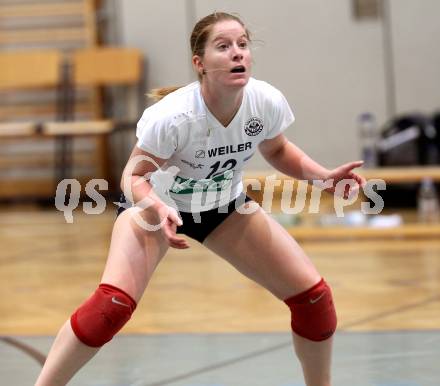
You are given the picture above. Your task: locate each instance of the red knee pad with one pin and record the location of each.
(100, 317)
(313, 312)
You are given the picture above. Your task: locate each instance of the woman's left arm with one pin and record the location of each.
(289, 159)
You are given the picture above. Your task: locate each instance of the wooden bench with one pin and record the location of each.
(31, 29)
(52, 142)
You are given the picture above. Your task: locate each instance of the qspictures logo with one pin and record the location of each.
(69, 190)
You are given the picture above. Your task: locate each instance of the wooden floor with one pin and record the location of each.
(48, 267)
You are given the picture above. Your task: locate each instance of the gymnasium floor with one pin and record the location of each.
(408, 358)
(201, 323)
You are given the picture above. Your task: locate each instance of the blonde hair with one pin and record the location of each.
(199, 37)
(158, 93)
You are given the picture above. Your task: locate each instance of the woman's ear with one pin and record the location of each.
(198, 64)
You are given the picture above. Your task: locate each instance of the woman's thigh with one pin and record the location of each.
(133, 256)
(260, 248)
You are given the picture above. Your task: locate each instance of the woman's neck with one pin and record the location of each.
(223, 104)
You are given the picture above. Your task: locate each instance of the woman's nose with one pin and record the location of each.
(236, 54)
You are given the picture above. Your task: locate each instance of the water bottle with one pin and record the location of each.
(368, 136)
(427, 202)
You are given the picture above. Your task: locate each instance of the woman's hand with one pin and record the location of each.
(169, 226)
(345, 172)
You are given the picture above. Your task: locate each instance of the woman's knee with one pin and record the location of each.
(313, 312)
(101, 316)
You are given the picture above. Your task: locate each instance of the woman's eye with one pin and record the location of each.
(243, 44)
(222, 46)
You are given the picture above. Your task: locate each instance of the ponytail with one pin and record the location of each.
(158, 93)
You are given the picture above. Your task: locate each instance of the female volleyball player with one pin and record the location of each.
(206, 132)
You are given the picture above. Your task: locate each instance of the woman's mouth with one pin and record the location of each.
(238, 69)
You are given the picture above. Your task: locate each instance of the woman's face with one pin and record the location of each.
(227, 58)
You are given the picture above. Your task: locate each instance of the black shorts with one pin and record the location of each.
(209, 220)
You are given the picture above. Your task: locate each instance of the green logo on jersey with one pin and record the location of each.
(189, 185)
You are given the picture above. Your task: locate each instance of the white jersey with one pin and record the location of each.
(208, 158)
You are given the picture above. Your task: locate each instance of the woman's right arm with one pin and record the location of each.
(135, 182)
(136, 186)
